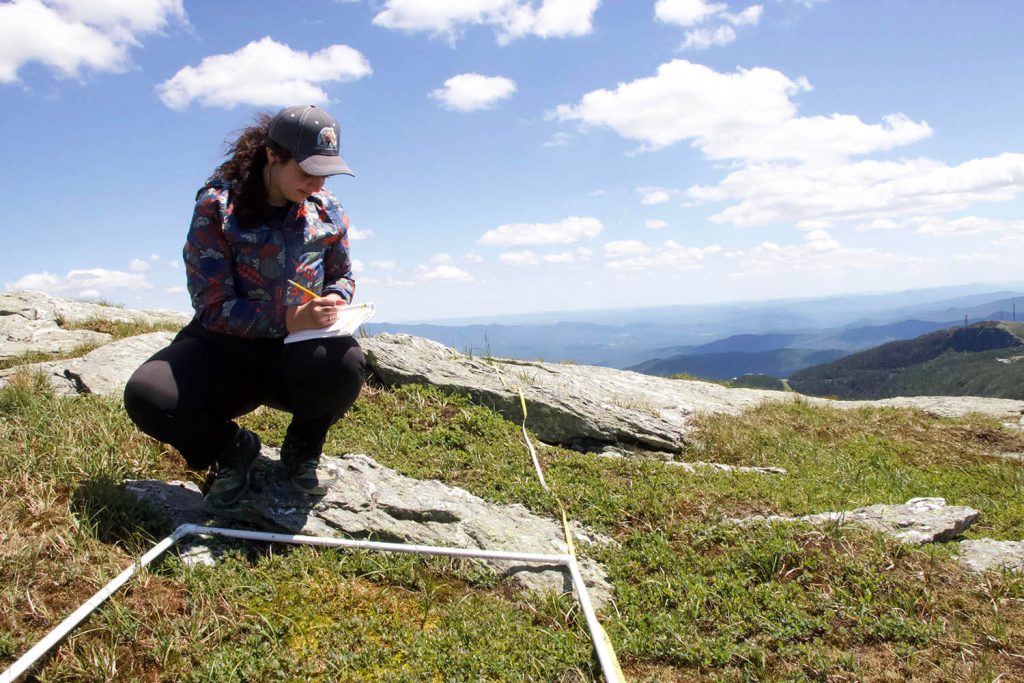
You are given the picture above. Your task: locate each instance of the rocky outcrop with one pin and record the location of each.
(40, 306)
(370, 500)
(33, 321)
(585, 407)
(19, 336)
(103, 371)
(986, 555)
(946, 406)
(573, 405)
(918, 521)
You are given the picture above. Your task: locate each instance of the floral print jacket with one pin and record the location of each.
(238, 276)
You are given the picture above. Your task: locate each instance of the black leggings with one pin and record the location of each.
(189, 393)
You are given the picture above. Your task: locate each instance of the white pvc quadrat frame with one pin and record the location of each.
(605, 657)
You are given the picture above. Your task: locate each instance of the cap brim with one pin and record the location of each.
(321, 164)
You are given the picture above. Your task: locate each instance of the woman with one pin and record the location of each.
(262, 219)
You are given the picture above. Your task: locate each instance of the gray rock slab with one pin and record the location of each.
(181, 502)
(945, 406)
(918, 521)
(20, 335)
(987, 555)
(40, 306)
(572, 405)
(103, 371)
(584, 406)
(614, 453)
(372, 500)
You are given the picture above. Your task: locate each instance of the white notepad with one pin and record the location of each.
(349, 319)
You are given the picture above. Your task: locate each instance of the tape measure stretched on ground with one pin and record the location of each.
(565, 521)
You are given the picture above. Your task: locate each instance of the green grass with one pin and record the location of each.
(120, 329)
(696, 599)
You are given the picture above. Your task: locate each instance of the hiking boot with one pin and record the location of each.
(300, 458)
(233, 467)
(310, 478)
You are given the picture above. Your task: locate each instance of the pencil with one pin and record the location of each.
(307, 291)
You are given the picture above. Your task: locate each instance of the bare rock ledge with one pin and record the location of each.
(103, 371)
(918, 521)
(586, 407)
(370, 499)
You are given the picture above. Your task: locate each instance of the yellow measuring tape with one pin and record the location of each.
(565, 521)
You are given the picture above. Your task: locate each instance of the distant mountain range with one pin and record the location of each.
(788, 334)
(981, 359)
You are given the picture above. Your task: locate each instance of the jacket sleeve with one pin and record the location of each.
(210, 276)
(337, 263)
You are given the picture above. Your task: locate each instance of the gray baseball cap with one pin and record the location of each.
(312, 136)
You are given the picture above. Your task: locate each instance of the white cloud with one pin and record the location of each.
(138, 265)
(654, 195)
(671, 255)
(174, 264)
(968, 225)
(355, 233)
(384, 265)
(703, 38)
(745, 115)
(813, 224)
(566, 231)
(561, 257)
(442, 271)
(655, 224)
(691, 13)
(86, 282)
(687, 12)
(866, 190)
(473, 92)
(357, 266)
(748, 17)
(820, 252)
(978, 258)
(393, 282)
(263, 73)
(511, 19)
(879, 224)
(524, 257)
(175, 290)
(786, 168)
(558, 140)
(474, 257)
(154, 257)
(625, 248)
(72, 36)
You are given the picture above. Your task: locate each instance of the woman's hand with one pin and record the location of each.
(314, 314)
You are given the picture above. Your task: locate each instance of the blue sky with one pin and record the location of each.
(516, 156)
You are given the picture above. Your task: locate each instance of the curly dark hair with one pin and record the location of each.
(244, 169)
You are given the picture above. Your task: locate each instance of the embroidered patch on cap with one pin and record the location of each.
(327, 140)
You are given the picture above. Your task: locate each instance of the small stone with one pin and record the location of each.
(918, 521)
(986, 555)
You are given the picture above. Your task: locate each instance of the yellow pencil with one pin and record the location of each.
(307, 291)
